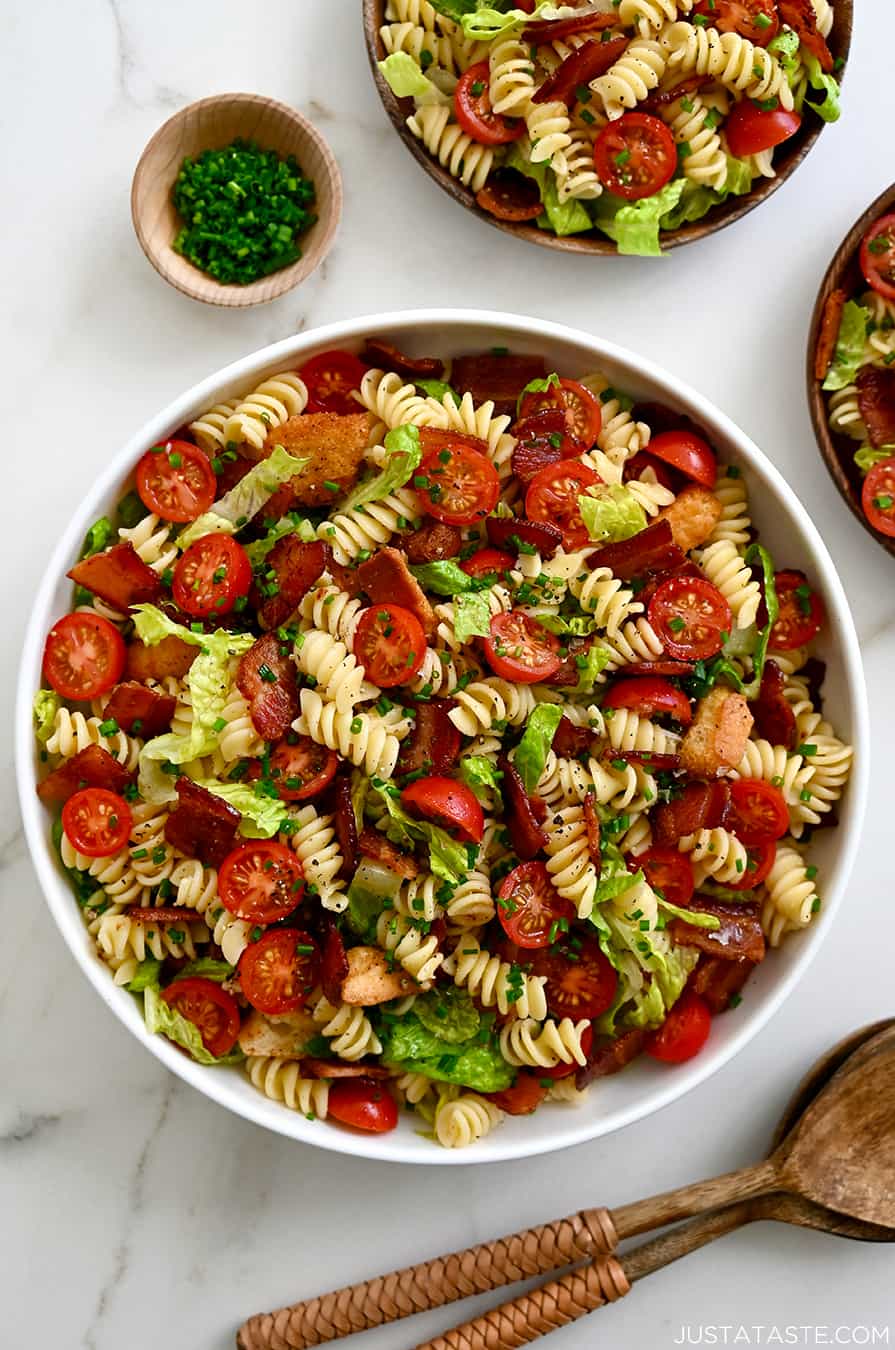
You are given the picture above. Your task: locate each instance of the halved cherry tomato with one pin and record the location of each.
(363, 1103)
(208, 1007)
(635, 156)
(176, 481)
(83, 657)
(683, 1033)
(878, 496)
(649, 694)
(472, 105)
(564, 1070)
(801, 612)
(520, 649)
(446, 802)
(524, 1096)
(260, 881)
(331, 377)
(690, 615)
(878, 256)
(584, 412)
(278, 972)
(300, 768)
(760, 811)
(97, 822)
(531, 910)
(754, 19)
(486, 561)
(761, 860)
(751, 129)
(458, 485)
(390, 644)
(552, 497)
(687, 452)
(637, 465)
(667, 871)
(211, 576)
(580, 987)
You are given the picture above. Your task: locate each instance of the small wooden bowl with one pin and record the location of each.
(211, 124)
(838, 451)
(787, 157)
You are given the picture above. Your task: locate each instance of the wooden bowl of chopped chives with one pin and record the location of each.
(236, 199)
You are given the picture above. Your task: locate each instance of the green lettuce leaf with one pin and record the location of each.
(373, 888)
(404, 77)
(250, 495)
(590, 663)
(448, 860)
(697, 200)
(163, 1020)
(446, 578)
(258, 549)
(208, 968)
(757, 553)
(472, 616)
(865, 458)
(404, 454)
(262, 816)
(537, 386)
(785, 47)
(437, 389)
(611, 513)
(615, 878)
(131, 510)
(449, 1014)
(44, 710)
(635, 225)
(410, 1046)
(652, 970)
(531, 752)
(562, 217)
(479, 774)
(850, 344)
(146, 974)
(694, 917)
(828, 107)
(566, 626)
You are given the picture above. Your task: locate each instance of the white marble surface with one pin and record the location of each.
(134, 1211)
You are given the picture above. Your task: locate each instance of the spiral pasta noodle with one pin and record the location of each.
(512, 76)
(312, 838)
(791, 896)
(441, 673)
(151, 538)
(548, 130)
(496, 983)
(692, 126)
(418, 12)
(210, 430)
(337, 675)
(448, 143)
(115, 873)
(275, 400)
(365, 528)
(543, 1045)
(281, 1080)
(576, 177)
(152, 858)
(632, 77)
(238, 739)
(844, 411)
(603, 596)
(331, 610)
(124, 943)
(734, 524)
(73, 732)
(348, 1029)
(648, 16)
(733, 60)
(717, 854)
(471, 905)
(396, 404)
(491, 700)
(419, 43)
(725, 569)
(568, 859)
(465, 1120)
(416, 951)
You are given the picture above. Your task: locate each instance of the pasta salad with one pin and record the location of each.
(628, 117)
(434, 734)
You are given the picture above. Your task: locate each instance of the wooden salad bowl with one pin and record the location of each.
(837, 450)
(211, 124)
(787, 158)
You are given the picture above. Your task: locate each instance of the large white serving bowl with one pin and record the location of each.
(787, 531)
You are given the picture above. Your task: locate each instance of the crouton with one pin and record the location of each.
(717, 738)
(285, 1035)
(171, 656)
(692, 515)
(371, 979)
(334, 447)
(388, 580)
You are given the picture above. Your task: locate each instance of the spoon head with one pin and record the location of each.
(821, 1072)
(841, 1153)
(796, 1210)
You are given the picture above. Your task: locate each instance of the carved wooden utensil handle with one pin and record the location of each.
(490, 1265)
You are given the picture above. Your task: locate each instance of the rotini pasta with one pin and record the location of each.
(276, 399)
(496, 983)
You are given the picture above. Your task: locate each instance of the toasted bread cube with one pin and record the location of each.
(692, 515)
(717, 738)
(371, 979)
(285, 1035)
(334, 447)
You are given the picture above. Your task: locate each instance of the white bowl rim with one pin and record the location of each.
(568, 1130)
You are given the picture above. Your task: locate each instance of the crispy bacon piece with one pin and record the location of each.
(571, 741)
(539, 534)
(678, 669)
(547, 30)
(608, 1057)
(345, 578)
(385, 356)
(527, 835)
(876, 401)
(534, 449)
(119, 576)
(434, 742)
(652, 550)
(718, 981)
(647, 760)
(774, 717)
(592, 824)
(661, 98)
(160, 914)
(701, 806)
(91, 767)
(172, 656)
(741, 16)
(509, 195)
(267, 678)
(801, 16)
(589, 62)
(432, 542)
(377, 848)
(692, 515)
(828, 332)
(140, 710)
(201, 825)
(337, 1068)
(388, 580)
(296, 566)
(345, 823)
(738, 938)
(333, 961)
(487, 376)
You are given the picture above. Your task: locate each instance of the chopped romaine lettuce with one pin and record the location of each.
(404, 454)
(635, 225)
(531, 752)
(437, 389)
(44, 710)
(258, 549)
(694, 917)
(562, 217)
(163, 1020)
(828, 106)
(611, 512)
(697, 200)
(250, 495)
(449, 860)
(373, 888)
(146, 974)
(262, 816)
(865, 458)
(475, 1063)
(850, 344)
(404, 77)
(589, 664)
(472, 616)
(446, 578)
(449, 1014)
(208, 968)
(131, 510)
(480, 775)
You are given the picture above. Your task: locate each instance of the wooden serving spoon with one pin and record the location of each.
(546, 1247)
